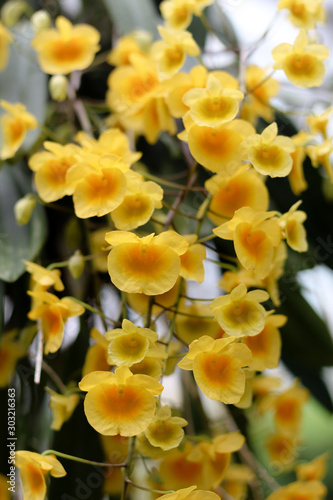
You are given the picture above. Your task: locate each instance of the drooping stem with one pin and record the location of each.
(81, 460)
(55, 377)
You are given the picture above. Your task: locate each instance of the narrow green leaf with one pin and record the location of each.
(128, 15)
(17, 242)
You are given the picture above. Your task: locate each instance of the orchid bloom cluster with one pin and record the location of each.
(227, 343)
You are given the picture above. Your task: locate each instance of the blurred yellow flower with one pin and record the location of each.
(269, 153)
(137, 42)
(178, 470)
(51, 169)
(153, 362)
(192, 267)
(244, 188)
(288, 406)
(217, 367)
(10, 351)
(316, 469)
(240, 313)
(97, 354)
(282, 448)
(164, 430)
(66, 48)
(321, 155)
(318, 123)
(301, 62)
(62, 407)
(33, 469)
(216, 455)
(98, 248)
(137, 98)
(236, 480)
(53, 313)
(170, 53)
(149, 265)
(309, 490)
(255, 238)
(260, 89)
(194, 321)
(115, 452)
(292, 228)
(139, 301)
(304, 13)
(110, 142)
(119, 402)
(44, 277)
(5, 39)
(178, 13)
(14, 125)
(179, 84)
(296, 177)
(266, 345)
(190, 493)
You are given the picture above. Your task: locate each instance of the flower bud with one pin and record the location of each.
(12, 11)
(23, 209)
(40, 20)
(58, 87)
(76, 264)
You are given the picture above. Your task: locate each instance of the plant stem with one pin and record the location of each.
(81, 460)
(151, 490)
(129, 460)
(95, 311)
(55, 377)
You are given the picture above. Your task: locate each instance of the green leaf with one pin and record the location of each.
(17, 242)
(23, 81)
(128, 15)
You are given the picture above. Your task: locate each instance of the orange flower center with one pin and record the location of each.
(230, 198)
(57, 170)
(298, 9)
(52, 321)
(217, 368)
(35, 477)
(181, 13)
(185, 472)
(287, 411)
(258, 344)
(67, 51)
(253, 241)
(174, 55)
(269, 155)
(302, 64)
(16, 129)
(121, 402)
